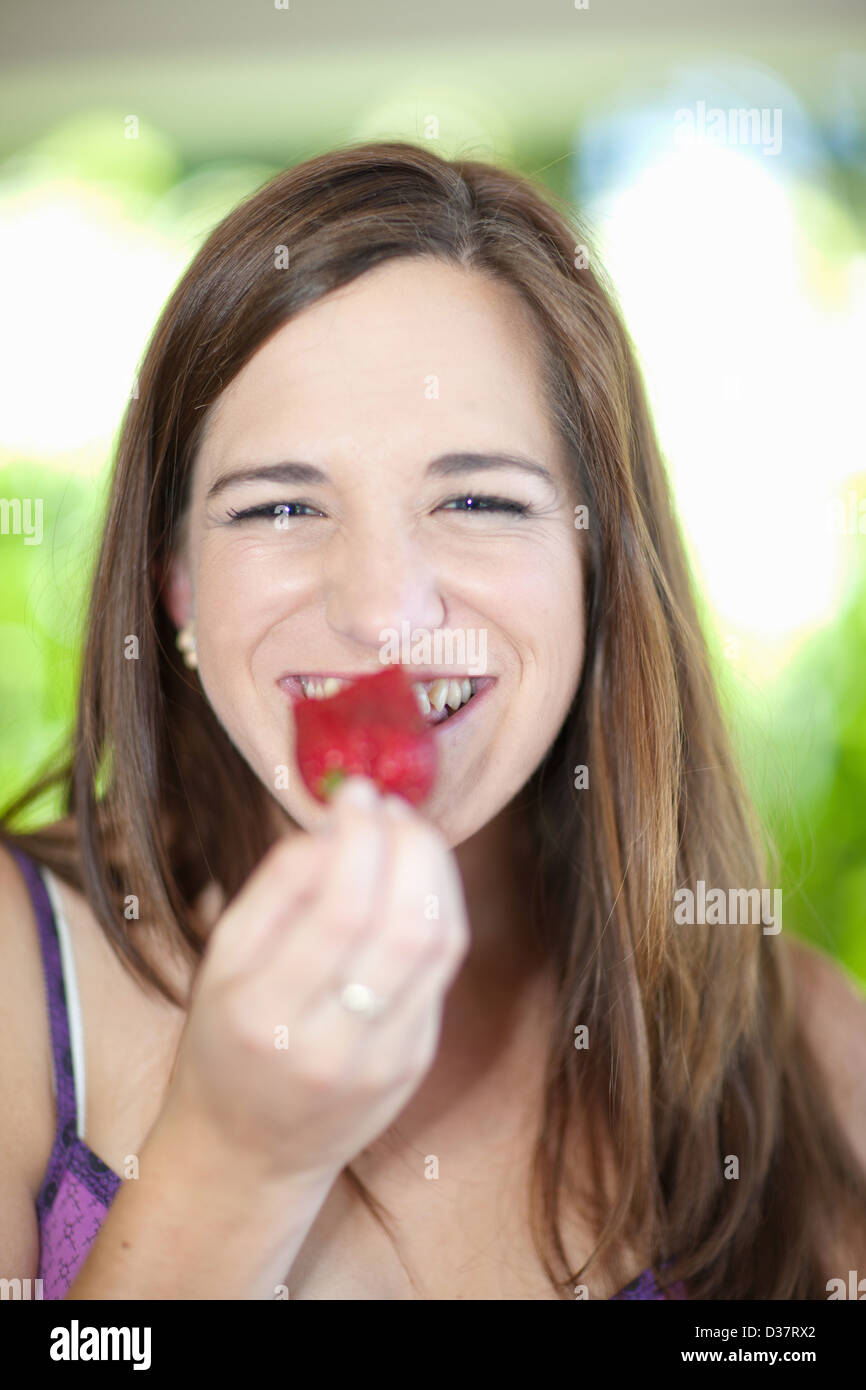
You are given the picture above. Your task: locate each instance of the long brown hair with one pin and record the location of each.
(695, 1054)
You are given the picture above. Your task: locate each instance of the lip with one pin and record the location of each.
(290, 681)
(484, 684)
(290, 684)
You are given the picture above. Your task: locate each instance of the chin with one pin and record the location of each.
(458, 818)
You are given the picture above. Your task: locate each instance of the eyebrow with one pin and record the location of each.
(445, 466)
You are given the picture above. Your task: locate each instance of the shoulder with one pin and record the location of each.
(26, 1096)
(831, 1011)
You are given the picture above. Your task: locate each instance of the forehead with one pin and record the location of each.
(415, 353)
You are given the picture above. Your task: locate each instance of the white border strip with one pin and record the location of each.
(76, 1027)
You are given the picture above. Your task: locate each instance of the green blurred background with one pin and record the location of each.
(736, 245)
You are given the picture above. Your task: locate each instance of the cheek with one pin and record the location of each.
(240, 595)
(552, 600)
(545, 600)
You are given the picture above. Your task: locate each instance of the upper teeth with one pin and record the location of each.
(321, 689)
(431, 695)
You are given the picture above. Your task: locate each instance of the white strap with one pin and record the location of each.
(73, 1002)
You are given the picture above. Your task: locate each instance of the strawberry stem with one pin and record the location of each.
(331, 781)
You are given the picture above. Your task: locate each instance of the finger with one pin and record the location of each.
(344, 907)
(289, 875)
(443, 894)
(388, 959)
(284, 879)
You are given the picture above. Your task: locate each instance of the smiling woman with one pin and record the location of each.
(375, 539)
(481, 1022)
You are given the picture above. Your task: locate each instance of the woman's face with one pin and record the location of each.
(412, 363)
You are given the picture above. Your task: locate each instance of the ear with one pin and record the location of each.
(177, 593)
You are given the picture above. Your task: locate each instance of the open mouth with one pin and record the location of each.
(439, 699)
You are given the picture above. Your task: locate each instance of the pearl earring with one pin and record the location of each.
(185, 642)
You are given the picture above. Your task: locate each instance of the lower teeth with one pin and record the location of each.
(446, 712)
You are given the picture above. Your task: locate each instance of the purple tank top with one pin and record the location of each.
(78, 1188)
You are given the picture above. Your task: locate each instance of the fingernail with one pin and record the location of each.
(356, 791)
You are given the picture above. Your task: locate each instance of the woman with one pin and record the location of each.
(474, 1050)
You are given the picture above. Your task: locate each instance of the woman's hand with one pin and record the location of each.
(345, 904)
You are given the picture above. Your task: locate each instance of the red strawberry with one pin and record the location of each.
(372, 728)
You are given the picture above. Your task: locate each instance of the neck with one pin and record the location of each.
(496, 867)
(496, 1013)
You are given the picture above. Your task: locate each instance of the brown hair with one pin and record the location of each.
(696, 1053)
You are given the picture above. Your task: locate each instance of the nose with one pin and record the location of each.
(379, 580)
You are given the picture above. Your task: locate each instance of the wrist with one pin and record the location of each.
(182, 1146)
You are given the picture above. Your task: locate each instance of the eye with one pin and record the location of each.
(475, 503)
(278, 512)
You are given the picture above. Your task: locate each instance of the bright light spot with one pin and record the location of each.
(754, 383)
(81, 287)
(464, 121)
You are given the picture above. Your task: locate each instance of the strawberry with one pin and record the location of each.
(372, 728)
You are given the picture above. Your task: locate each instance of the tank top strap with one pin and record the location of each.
(55, 989)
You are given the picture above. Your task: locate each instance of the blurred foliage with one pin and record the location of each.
(43, 600)
(107, 147)
(803, 748)
(802, 740)
(805, 756)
